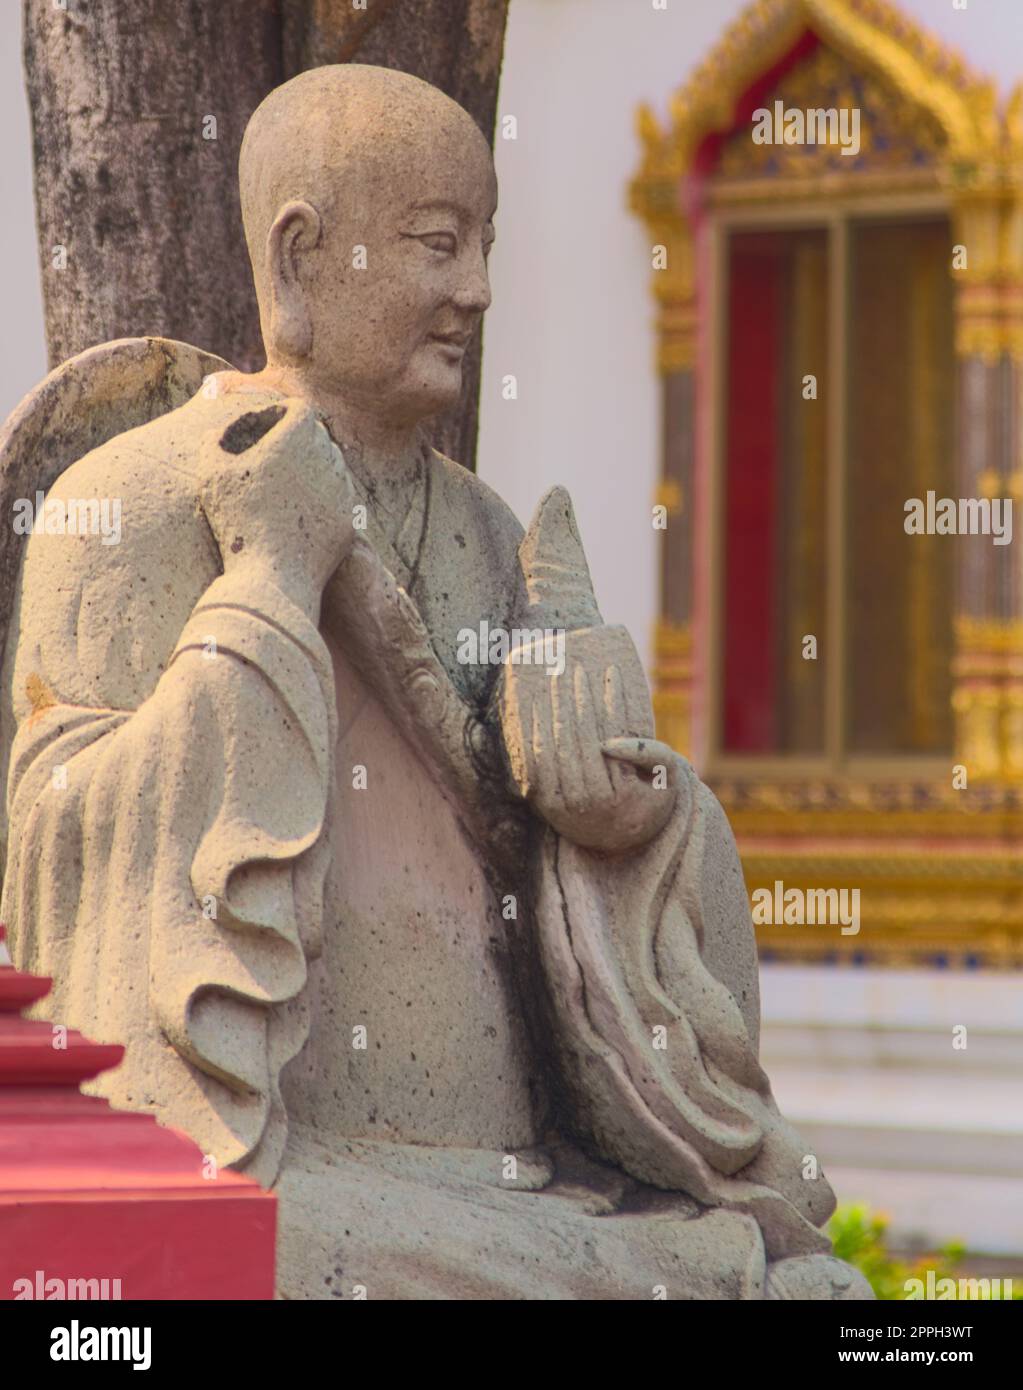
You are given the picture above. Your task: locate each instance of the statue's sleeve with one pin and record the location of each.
(647, 958)
(650, 963)
(165, 865)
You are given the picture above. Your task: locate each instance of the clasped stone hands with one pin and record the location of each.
(573, 747)
(579, 738)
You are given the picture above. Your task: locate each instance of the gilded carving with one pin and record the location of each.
(930, 126)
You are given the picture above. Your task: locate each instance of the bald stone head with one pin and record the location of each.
(368, 198)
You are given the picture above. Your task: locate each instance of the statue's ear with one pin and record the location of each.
(296, 228)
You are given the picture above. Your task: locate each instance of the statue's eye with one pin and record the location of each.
(440, 241)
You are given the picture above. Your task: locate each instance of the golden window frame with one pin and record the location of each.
(944, 867)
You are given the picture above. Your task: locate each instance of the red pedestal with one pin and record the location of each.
(92, 1194)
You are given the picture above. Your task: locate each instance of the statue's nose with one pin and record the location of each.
(474, 292)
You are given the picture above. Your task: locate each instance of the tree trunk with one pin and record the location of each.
(145, 205)
(137, 117)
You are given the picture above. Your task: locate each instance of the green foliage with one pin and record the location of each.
(860, 1238)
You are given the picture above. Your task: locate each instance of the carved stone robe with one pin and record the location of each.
(285, 864)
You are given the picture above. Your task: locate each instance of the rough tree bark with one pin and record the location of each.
(146, 207)
(145, 203)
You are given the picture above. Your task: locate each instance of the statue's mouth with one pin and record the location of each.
(457, 341)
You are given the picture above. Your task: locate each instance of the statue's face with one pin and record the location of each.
(401, 283)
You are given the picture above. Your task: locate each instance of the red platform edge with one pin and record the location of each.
(103, 1203)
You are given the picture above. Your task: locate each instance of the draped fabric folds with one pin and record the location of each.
(167, 865)
(166, 868)
(654, 1047)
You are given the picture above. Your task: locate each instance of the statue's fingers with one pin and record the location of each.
(545, 753)
(621, 774)
(517, 721)
(638, 710)
(566, 739)
(596, 775)
(615, 714)
(649, 754)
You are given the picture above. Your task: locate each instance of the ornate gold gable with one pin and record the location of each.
(922, 88)
(903, 141)
(871, 35)
(941, 866)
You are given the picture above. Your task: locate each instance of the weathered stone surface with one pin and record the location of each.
(440, 941)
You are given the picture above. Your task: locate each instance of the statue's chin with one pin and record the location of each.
(435, 383)
(428, 404)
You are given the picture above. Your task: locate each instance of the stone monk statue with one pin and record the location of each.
(450, 952)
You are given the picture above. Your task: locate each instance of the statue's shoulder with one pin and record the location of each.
(159, 455)
(101, 394)
(105, 393)
(134, 497)
(468, 496)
